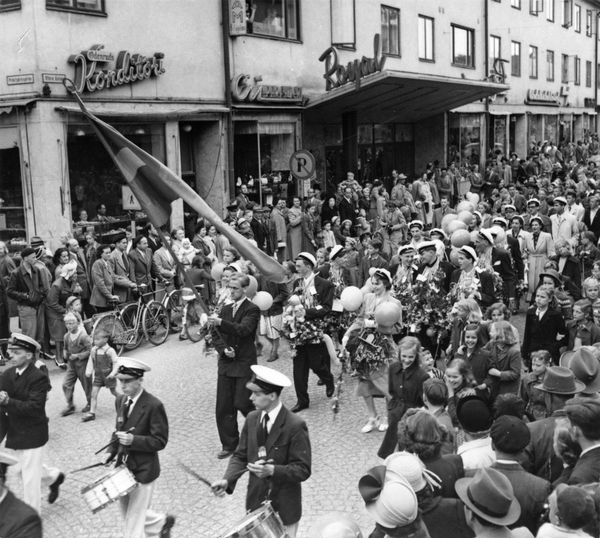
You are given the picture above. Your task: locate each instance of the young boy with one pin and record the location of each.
(372, 259)
(102, 368)
(534, 399)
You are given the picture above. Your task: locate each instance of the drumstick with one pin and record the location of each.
(112, 441)
(88, 467)
(194, 474)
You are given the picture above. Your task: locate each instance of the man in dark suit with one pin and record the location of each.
(591, 217)
(346, 207)
(514, 248)
(432, 264)
(316, 298)
(234, 342)
(500, 259)
(144, 269)
(275, 448)
(76, 253)
(123, 270)
(103, 278)
(584, 416)
(142, 430)
(17, 519)
(153, 239)
(23, 421)
(442, 211)
(533, 209)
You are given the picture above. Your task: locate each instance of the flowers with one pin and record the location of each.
(300, 331)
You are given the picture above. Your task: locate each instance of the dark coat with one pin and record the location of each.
(539, 458)
(446, 267)
(449, 468)
(572, 270)
(23, 420)
(56, 299)
(150, 435)
(324, 299)
(592, 225)
(82, 273)
(4, 311)
(278, 291)
(288, 445)
(18, 519)
(589, 335)
(502, 264)
(488, 296)
(103, 278)
(346, 210)
(445, 518)
(406, 385)
(237, 332)
(541, 334)
(480, 362)
(517, 256)
(587, 468)
(143, 268)
(123, 270)
(22, 289)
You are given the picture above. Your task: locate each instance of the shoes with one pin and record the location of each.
(320, 383)
(165, 532)
(53, 495)
(61, 364)
(330, 390)
(259, 349)
(67, 411)
(86, 409)
(183, 336)
(224, 454)
(383, 426)
(273, 357)
(370, 425)
(89, 417)
(299, 407)
(48, 356)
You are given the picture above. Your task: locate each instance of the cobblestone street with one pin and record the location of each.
(185, 380)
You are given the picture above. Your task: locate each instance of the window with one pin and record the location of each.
(567, 13)
(550, 65)
(495, 51)
(463, 47)
(536, 6)
(533, 62)
(343, 27)
(550, 10)
(274, 18)
(577, 71)
(564, 69)
(588, 74)
(515, 59)
(577, 18)
(93, 7)
(390, 31)
(516, 4)
(588, 23)
(425, 38)
(6, 5)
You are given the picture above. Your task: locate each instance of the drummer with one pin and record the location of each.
(275, 448)
(142, 431)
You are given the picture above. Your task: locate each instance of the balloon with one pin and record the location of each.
(456, 225)
(386, 314)
(217, 271)
(430, 332)
(465, 206)
(252, 287)
(466, 217)
(263, 300)
(351, 298)
(473, 197)
(454, 256)
(460, 238)
(372, 271)
(294, 300)
(499, 233)
(447, 219)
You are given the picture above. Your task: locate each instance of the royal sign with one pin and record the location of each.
(241, 90)
(337, 75)
(128, 68)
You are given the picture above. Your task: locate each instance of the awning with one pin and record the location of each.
(401, 97)
(6, 107)
(145, 111)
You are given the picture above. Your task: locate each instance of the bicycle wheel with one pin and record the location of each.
(156, 323)
(114, 327)
(193, 321)
(134, 332)
(174, 306)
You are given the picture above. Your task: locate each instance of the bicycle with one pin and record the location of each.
(127, 325)
(194, 317)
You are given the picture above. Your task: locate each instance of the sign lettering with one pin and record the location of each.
(52, 78)
(237, 17)
(14, 80)
(337, 75)
(546, 97)
(242, 90)
(128, 68)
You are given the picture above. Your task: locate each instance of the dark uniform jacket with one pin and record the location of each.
(446, 267)
(23, 420)
(288, 445)
(151, 433)
(487, 292)
(18, 519)
(324, 299)
(587, 468)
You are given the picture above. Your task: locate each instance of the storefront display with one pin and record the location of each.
(464, 138)
(12, 208)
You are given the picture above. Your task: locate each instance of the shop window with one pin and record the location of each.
(550, 10)
(550, 65)
(551, 129)
(516, 4)
(343, 24)
(94, 177)
(577, 69)
(274, 18)
(577, 17)
(7, 5)
(533, 62)
(463, 46)
(426, 39)
(12, 207)
(588, 74)
(515, 58)
(390, 30)
(464, 138)
(564, 69)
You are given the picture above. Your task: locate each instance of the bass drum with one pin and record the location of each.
(262, 523)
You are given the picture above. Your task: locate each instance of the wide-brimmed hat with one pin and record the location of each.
(334, 526)
(560, 380)
(585, 367)
(553, 274)
(490, 495)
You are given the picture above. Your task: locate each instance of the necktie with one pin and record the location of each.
(126, 409)
(263, 432)
(234, 309)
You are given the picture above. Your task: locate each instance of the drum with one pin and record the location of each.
(262, 523)
(108, 488)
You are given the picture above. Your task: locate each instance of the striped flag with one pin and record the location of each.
(156, 186)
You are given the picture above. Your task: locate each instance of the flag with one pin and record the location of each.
(155, 186)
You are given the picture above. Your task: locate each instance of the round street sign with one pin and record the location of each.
(302, 164)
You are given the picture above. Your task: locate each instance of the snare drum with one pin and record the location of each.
(262, 523)
(108, 488)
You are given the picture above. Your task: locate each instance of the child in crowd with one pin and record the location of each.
(435, 400)
(327, 235)
(101, 369)
(587, 251)
(478, 358)
(596, 270)
(371, 259)
(506, 357)
(571, 509)
(534, 399)
(427, 363)
(75, 305)
(581, 330)
(591, 289)
(499, 312)
(77, 351)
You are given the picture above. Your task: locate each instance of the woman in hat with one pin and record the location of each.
(299, 236)
(329, 209)
(563, 299)
(539, 247)
(371, 348)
